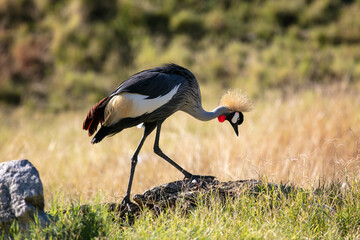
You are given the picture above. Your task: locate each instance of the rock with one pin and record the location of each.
(169, 194)
(21, 195)
(186, 192)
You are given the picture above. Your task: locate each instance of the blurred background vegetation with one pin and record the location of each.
(61, 55)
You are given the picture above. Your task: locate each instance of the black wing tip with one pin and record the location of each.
(97, 139)
(103, 132)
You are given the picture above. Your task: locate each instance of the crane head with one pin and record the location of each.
(234, 118)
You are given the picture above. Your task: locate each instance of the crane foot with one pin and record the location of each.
(127, 206)
(200, 177)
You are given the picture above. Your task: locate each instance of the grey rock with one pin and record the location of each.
(21, 195)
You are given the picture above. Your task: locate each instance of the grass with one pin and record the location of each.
(328, 212)
(309, 138)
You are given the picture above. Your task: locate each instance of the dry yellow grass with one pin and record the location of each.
(308, 137)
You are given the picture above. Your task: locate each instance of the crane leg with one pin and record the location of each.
(158, 151)
(149, 127)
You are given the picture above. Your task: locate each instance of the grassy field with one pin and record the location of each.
(330, 212)
(310, 139)
(304, 138)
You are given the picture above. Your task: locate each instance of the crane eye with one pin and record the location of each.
(240, 119)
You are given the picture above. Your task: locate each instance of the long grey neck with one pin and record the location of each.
(203, 115)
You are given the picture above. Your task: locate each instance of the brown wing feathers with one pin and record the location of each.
(95, 116)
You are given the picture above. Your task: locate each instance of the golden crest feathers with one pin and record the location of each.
(237, 101)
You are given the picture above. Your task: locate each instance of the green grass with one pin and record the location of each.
(328, 212)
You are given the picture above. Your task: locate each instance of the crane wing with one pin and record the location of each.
(132, 105)
(150, 83)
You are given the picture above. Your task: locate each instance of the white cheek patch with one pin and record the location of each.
(235, 117)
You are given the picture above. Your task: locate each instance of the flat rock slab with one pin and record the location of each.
(21, 194)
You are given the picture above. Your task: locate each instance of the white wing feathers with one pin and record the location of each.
(133, 105)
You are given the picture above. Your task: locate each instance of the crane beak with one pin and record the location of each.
(236, 120)
(235, 127)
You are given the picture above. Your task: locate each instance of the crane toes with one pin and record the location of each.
(199, 177)
(127, 206)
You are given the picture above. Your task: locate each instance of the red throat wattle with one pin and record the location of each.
(221, 118)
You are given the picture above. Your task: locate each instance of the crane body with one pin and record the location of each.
(151, 96)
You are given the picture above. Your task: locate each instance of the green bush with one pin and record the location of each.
(189, 23)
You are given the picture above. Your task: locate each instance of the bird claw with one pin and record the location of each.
(200, 177)
(125, 203)
(127, 206)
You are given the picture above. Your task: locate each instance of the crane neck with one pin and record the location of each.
(203, 115)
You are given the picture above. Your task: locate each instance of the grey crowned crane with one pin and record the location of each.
(151, 96)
